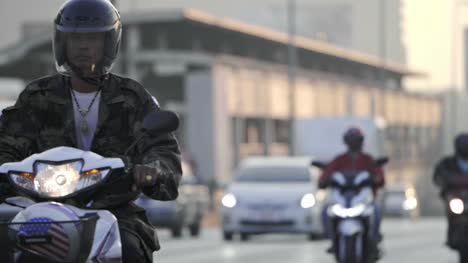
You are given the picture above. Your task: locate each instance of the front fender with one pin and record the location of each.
(349, 227)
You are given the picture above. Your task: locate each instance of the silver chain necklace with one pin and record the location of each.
(84, 127)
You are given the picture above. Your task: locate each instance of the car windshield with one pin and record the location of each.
(274, 174)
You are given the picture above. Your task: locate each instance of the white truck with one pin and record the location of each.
(322, 138)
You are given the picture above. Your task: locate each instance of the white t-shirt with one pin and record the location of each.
(84, 141)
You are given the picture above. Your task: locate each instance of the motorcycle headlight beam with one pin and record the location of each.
(457, 206)
(343, 212)
(410, 204)
(56, 181)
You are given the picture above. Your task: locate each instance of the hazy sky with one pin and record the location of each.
(426, 33)
(428, 39)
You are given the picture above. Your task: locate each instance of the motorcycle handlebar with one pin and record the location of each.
(459, 181)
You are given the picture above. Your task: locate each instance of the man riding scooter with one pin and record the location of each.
(451, 176)
(354, 159)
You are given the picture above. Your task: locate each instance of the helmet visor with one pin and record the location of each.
(85, 29)
(89, 51)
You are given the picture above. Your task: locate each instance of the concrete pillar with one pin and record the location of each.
(269, 135)
(349, 102)
(223, 127)
(238, 139)
(209, 124)
(373, 102)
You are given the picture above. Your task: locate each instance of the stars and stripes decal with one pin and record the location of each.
(46, 238)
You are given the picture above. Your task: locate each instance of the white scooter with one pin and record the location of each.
(351, 212)
(41, 225)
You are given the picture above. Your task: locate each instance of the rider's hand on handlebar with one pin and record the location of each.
(377, 181)
(323, 183)
(145, 175)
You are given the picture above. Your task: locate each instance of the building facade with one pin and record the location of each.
(229, 83)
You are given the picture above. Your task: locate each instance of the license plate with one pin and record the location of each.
(268, 216)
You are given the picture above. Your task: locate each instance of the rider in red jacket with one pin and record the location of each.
(353, 160)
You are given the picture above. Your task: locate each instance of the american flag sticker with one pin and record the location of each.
(43, 237)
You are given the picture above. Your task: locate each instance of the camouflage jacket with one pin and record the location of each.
(43, 118)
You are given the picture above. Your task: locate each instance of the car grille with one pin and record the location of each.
(269, 206)
(267, 223)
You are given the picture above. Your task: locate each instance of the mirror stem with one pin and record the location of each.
(134, 144)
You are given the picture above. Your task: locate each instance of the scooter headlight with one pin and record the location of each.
(457, 206)
(343, 212)
(58, 180)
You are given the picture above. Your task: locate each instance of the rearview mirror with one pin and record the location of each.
(318, 164)
(156, 123)
(161, 122)
(381, 161)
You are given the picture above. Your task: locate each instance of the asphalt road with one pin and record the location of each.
(405, 241)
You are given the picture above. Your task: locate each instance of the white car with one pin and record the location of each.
(273, 195)
(400, 201)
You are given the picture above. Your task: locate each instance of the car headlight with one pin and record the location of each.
(410, 203)
(308, 201)
(343, 212)
(229, 201)
(58, 180)
(457, 206)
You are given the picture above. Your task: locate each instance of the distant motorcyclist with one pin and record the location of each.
(354, 159)
(450, 168)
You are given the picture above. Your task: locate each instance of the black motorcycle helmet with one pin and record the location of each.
(354, 139)
(87, 16)
(461, 145)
